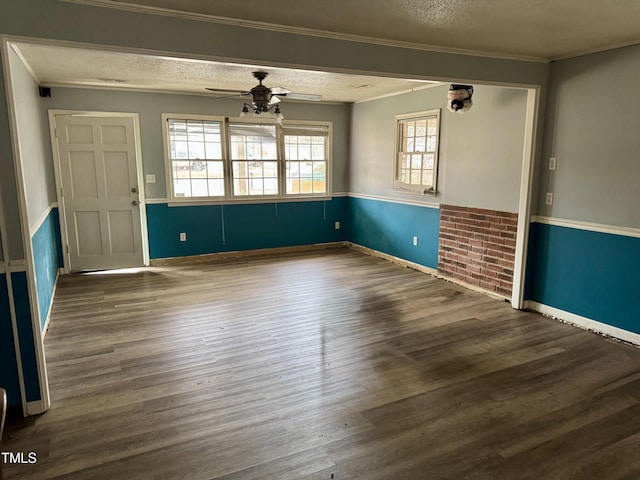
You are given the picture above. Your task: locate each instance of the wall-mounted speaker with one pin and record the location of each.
(45, 92)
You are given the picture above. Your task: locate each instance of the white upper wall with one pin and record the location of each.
(33, 142)
(150, 107)
(480, 154)
(592, 130)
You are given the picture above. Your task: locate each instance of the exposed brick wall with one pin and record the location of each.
(478, 247)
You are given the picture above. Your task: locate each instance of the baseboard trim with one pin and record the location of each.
(585, 323)
(53, 296)
(163, 262)
(428, 270)
(391, 258)
(35, 408)
(475, 288)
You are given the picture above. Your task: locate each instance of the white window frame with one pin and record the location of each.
(328, 149)
(171, 194)
(398, 184)
(229, 196)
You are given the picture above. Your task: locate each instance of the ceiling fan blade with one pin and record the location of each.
(280, 91)
(302, 96)
(229, 93)
(274, 100)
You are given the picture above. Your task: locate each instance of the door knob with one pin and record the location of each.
(135, 202)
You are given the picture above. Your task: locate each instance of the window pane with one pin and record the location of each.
(241, 186)
(293, 185)
(199, 188)
(270, 186)
(213, 150)
(255, 170)
(215, 170)
(428, 161)
(427, 177)
(319, 186)
(216, 187)
(319, 169)
(409, 129)
(304, 152)
(409, 145)
(431, 143)
(318, 152)
(270, 169)
(182, 188)
(416, 161)
(415, 177)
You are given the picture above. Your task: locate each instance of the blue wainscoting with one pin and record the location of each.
(227, 228)
(8, 366)
(591, 274)
(47, 257)
(389, 227)
(25, 335)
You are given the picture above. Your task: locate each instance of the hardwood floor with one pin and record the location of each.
(322, 365)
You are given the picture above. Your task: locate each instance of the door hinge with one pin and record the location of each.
(68, 250)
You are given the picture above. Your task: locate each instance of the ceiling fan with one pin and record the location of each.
(263, 98)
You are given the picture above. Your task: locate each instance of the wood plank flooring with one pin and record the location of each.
(322, 365)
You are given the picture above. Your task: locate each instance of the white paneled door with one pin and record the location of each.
(100, 191)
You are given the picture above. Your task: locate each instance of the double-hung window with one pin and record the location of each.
(196, 157)
(254, 159)
(416, 165)
(306, 152)
(213, 158)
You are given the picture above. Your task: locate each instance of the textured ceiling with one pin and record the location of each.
(529, 29)
(55, 65)
(543, 29)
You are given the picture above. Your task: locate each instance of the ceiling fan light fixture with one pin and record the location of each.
(270, 111)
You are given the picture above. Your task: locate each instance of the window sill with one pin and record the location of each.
(401, 188)
(245, 201)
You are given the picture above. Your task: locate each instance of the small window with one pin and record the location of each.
(306, 154)
(417, 152)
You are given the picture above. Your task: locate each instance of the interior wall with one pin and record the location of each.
(34, 142)
(480, 151)
(150, 106)
(232, 226)
(480, 165)
(585, 254)
(8, 189)
(591, 128)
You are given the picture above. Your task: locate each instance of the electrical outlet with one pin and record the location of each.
(415, 241)
(552, 163)
(150, 178)
(549, 198)
(183, 237)
(337, 225)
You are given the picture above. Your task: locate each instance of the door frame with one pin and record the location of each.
(64, 234)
